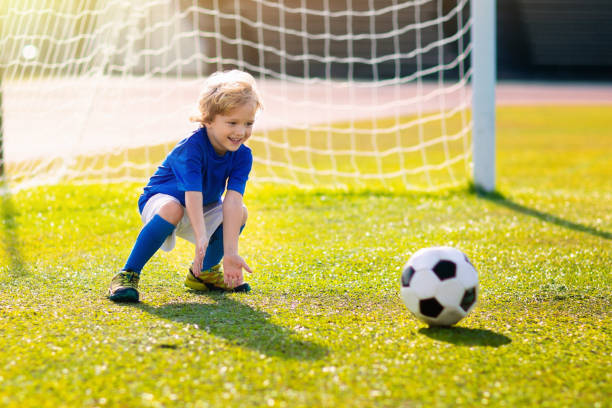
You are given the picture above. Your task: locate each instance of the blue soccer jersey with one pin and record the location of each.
(193, 165)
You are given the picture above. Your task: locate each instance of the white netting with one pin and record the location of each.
(357, 92)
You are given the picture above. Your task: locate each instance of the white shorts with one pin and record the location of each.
(213, 217)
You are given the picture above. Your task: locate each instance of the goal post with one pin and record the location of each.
(392, 94)
(483, 93)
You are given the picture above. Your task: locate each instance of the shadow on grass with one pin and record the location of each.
(240, 325)
(9, 238)
(499, 199)
(463, 336)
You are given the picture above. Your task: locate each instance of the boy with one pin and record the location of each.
(183, 197)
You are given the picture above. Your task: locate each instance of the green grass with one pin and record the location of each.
(324, 325)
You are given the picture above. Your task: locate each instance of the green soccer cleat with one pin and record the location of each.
(212, 279)
(124, 287)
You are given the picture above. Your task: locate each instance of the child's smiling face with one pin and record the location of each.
(229, 131)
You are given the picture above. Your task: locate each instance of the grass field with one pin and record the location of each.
(324, 325)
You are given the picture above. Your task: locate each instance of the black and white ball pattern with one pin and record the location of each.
(439, 285)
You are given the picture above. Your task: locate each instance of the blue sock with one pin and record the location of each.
(149, 240)
(214, 251)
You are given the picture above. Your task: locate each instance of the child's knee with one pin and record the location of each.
(171, 212)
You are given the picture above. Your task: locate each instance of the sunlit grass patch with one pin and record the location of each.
(324, 324)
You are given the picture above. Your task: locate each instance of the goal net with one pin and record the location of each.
(357, 93)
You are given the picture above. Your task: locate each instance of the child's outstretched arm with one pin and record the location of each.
(232, 221)
(195, 212)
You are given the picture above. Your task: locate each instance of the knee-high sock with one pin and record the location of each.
(214, 251)
(149, 240)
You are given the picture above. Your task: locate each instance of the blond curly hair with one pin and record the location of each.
(223, 92)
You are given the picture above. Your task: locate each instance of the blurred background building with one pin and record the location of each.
(556, 39)
(537, 39)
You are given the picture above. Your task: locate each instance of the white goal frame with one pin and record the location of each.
(107, 72)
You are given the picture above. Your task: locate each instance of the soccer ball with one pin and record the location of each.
(439, 285)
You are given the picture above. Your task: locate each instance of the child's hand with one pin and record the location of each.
(198, 259)
(232, 270)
